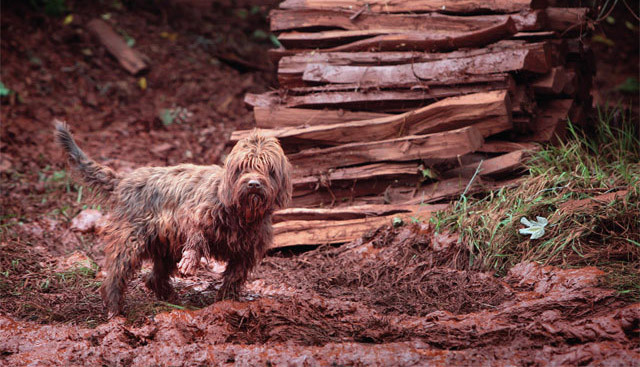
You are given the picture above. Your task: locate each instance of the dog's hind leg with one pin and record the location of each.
(158, 281)
(124, 255)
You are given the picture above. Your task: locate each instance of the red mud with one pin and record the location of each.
(554, 317)
(399, 297)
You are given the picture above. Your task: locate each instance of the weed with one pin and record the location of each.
(604, 234)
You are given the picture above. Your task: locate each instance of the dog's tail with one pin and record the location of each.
(101, 178)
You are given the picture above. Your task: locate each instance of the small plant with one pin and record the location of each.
(535, 228)
(173, 115)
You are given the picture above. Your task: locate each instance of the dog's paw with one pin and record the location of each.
(189, 263)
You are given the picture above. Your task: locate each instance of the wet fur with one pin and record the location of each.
(174, 215)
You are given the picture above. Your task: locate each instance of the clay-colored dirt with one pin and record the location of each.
(398, 297)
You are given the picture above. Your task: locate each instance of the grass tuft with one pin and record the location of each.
(603, 230)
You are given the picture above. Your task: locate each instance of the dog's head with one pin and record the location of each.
(257, 177)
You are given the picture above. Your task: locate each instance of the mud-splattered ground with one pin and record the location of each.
(399, 296)
(313, 310)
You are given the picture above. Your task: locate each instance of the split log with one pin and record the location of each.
(431, 147)
(491, 112)
(552, 83)
(551, 122)
(429, 41)
(291, 68)
(451, 188)
(418, 6)
(501, 164)
(347, 192)
(130, 59)
(567, 19)
(274, 117)
(480, 82)
(350, 212)
(534, 36)
(358, 173)
(317, 232)
(534, 58)
(286, 20)
(500, 146)
(375, 99)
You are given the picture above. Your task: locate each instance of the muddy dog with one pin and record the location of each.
(175, 215)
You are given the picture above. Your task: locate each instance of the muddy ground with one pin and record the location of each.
(398, 296)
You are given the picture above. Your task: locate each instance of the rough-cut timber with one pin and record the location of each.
(273, 117)
(491, 111)
(533, 58)
(317, 232)
(304, 19)
(551, 122)
(351, 212)
(489, 167)
(130, 59)
(552, 83)
(291, 68)
(417, 6)
(567, 19)
(349, 96)
(501, 146)
(358, 173)
(425, 41)
(451, 188)
(431, 147)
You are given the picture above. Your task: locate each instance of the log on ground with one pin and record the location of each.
(130, 59)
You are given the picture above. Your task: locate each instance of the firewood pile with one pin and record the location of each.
(385, 106)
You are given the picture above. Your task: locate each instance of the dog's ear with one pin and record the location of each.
(225, 189)
(285, 190)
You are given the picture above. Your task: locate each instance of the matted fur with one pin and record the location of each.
(174, 215)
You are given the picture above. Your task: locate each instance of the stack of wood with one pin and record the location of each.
(385, 106)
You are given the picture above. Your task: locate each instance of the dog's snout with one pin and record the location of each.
(254, 184)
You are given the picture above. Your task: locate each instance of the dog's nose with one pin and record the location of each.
(254, 184)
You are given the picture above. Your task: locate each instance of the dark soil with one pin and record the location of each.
(399, 296)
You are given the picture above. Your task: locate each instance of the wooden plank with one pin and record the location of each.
(551, 122)
(358, 173)
(420, 6)
(429, 41)
(441, 190)
(501, 146)
(567, 19)
(316, 232)
(345, 192)
(274, 117)
(552, 83)
(291, 68)
(429, 147)
(302, 19)
(350, 212)
(375, 99)
(130, 59)
(491, 109)
(490, 167)
(533, 59)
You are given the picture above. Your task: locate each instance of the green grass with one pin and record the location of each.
(585, 166)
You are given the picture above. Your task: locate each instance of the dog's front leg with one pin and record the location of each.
(192, 251)
(234, 277)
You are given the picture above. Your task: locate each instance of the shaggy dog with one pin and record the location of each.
(175, 215)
